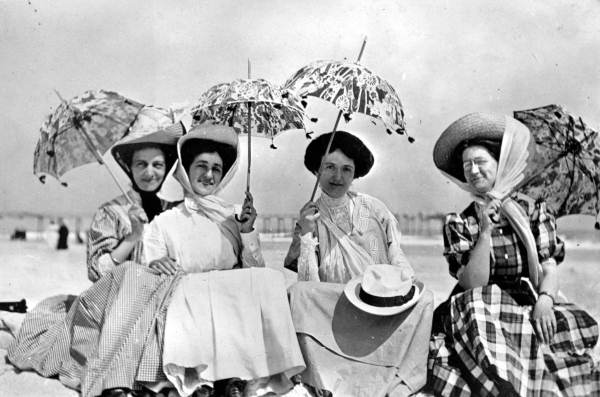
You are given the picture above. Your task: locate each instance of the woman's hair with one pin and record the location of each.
(348, 144)
(194, 147)
(492, 146)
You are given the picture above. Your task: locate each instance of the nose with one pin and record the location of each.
(338, 174)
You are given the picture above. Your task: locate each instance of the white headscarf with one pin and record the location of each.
(512, 165)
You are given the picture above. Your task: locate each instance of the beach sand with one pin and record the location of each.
(33, 270)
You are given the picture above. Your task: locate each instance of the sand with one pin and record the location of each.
(33, 270)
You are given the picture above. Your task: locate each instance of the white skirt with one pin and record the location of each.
(231, 323)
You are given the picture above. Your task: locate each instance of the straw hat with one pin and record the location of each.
(473, 126)
(165, 137)
(382, 292)
(347, 143)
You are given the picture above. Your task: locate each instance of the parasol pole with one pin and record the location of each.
(337, 121)
(249, 134)
(92, 147)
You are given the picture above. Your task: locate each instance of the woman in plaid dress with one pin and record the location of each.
(503, 331)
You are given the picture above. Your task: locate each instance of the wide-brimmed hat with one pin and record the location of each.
(350, 145)
(166, 138)
(380, 290)
(472, 127)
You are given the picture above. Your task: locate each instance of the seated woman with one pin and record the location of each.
(343, 232)
(222, 324)
(114, 236)
(499, 334)
(349, 351)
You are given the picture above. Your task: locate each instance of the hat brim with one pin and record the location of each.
(352, 290)
(469, 127)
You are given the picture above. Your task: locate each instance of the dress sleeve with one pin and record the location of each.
(458, 242)
(251, 251)
(543, 227)
(155, 246)
(103, 237)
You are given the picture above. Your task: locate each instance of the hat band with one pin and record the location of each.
(386, 301)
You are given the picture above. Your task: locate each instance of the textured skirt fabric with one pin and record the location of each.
(489, 347)
(109, 336)
(232, 323)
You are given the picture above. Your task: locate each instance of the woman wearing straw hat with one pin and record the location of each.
(343, 232)
(175, 321)
(114, 237)
(503, 332)
(116, 230)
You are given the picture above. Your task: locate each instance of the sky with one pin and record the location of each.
(444, 58)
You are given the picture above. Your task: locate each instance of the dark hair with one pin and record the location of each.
(126, 153)
(348, 144)
(491, 145)
(193, 147)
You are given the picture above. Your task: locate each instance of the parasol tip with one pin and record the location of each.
(59, 96)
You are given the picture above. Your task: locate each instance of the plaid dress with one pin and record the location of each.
(483, 341)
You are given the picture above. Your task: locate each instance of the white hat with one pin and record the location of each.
(380, 290)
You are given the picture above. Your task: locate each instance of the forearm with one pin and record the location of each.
(308, 265)
(549, 282)
(476, 273)
(123, 250)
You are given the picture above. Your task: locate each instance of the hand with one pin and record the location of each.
(248, 214)
(164, 265)
(137, 218)
(544, 319)
(308, 217)
(491, 215)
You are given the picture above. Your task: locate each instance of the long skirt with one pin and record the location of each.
(109, 336)
(353, 353)
(489, 347)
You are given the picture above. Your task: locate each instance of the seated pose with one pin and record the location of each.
(379, 345)
(503, 331)
(42, 339)
(343, 232)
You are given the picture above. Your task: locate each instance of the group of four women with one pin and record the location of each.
(157, 315)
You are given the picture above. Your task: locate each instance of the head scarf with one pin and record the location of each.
(211, 206)
(512, 164)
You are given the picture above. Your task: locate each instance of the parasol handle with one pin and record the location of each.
(237, 218)
(362, 49)
(337, 121)
(94, 150)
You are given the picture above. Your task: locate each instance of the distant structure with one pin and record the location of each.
(63, 235)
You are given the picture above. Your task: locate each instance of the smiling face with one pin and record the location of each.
(337, 174)
(148, 168)
(205, 173)
(480, 168)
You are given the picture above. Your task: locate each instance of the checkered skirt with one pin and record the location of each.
(490, 348)
(109, 336)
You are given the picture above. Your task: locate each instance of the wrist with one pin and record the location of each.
(546, 295)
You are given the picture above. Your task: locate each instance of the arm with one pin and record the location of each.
(251, 255)
(476, 273)
(302, 254)
(156, 253)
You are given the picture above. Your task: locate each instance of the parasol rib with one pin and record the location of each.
(337, 121)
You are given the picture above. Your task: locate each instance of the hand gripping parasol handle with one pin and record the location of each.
(94, 150)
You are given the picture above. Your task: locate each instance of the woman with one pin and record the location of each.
(196, 325)
(43, 337)
(343, 232)
(339, 237)
(499, 334)
(116, 230)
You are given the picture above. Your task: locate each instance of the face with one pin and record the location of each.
(337, 174)
(148, 168)
(206, 172)
(480, 168)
